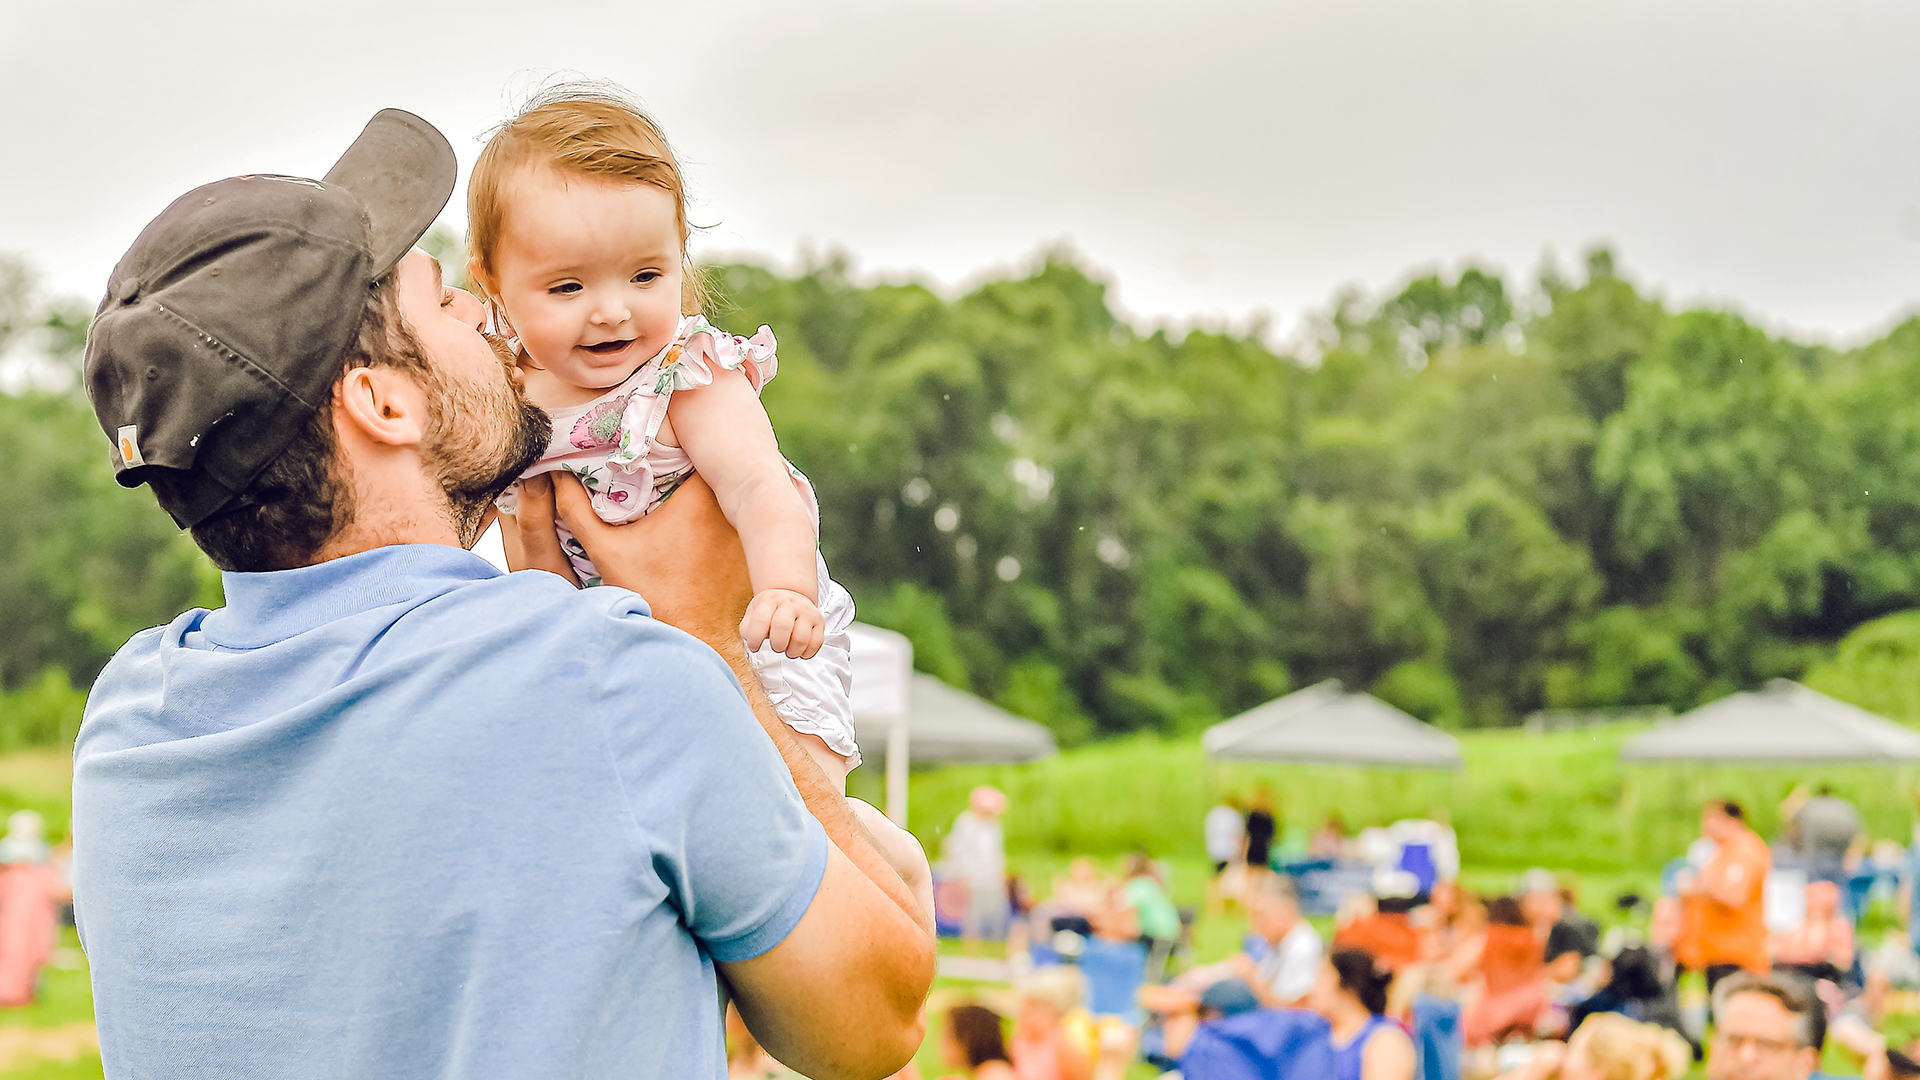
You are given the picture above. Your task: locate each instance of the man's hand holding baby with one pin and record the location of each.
(790, 620)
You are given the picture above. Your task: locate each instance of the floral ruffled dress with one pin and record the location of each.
(612, 445)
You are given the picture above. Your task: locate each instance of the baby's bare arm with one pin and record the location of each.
(727, 434)
(725, 431)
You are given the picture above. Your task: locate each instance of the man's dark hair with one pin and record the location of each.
(301, 500)
(1809, 1016)
(1729, 808)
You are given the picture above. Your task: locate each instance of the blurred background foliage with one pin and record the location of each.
(1476, 497)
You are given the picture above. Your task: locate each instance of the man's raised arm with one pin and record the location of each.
(841, 995)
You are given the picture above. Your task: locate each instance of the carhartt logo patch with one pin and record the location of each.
(130, 446)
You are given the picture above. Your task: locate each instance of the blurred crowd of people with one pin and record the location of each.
(1415, 976)
(1410, 975)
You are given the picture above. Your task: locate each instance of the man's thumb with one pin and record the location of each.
(574, 507)
(534, 507)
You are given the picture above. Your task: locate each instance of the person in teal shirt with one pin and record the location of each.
(1153, 912)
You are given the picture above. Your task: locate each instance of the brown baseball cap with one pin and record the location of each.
(228, 321)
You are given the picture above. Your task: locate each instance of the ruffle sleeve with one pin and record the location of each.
(641, 462)
(691, 365)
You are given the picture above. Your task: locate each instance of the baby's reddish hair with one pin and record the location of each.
(584, 130)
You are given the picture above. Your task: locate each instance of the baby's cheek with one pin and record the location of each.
(661, 325)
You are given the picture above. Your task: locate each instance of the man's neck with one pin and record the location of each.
(387, 522)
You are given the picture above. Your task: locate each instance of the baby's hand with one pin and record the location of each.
(787, 619)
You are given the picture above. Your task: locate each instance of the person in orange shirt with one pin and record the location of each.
(1385, 933)
(1511, 967)
(1724, 926)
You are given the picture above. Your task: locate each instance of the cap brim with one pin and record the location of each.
(402, 170)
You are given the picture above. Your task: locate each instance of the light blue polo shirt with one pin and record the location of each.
(402, 815)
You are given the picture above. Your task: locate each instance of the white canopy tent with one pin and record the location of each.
(916, 716)
(1325, 723)
(1782, 724)
(882, 672)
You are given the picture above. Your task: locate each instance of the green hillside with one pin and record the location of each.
(1559, 799)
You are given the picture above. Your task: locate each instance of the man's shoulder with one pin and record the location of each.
(549, 593)
(539, 603)
(492, 643)
(606, 631)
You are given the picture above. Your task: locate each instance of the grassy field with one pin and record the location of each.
(1561, 800)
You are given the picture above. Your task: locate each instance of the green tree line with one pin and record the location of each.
(1475, 496)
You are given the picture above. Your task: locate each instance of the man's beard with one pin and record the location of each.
(479, 440)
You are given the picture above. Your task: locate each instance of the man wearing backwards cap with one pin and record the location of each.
(377, 817)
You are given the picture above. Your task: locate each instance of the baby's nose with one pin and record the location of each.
(610, 311)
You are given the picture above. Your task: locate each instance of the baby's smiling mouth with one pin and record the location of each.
(606, 347)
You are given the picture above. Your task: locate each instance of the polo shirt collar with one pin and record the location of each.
(265, 608)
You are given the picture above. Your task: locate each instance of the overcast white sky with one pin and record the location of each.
(1215, 159)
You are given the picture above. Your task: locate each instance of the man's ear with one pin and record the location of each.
(380, 405)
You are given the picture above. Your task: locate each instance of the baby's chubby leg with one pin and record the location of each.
(895, 844)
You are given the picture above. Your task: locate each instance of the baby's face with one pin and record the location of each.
(590, 274)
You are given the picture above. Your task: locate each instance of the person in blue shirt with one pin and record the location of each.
(390, 812)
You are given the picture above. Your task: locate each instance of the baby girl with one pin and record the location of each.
(577, 212)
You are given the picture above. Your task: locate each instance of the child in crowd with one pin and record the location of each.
(1054, 1037)
(577, 210)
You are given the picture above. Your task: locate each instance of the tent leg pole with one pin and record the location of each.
(897, 772)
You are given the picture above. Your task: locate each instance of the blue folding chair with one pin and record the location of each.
(1266, 1044)
(1114, 971)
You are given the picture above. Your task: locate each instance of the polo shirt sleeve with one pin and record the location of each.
(717, 816)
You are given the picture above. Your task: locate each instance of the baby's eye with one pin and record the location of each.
(567, 289)
(446, 297)
(647, 277)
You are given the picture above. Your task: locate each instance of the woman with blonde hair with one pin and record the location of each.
(1609, 1046)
